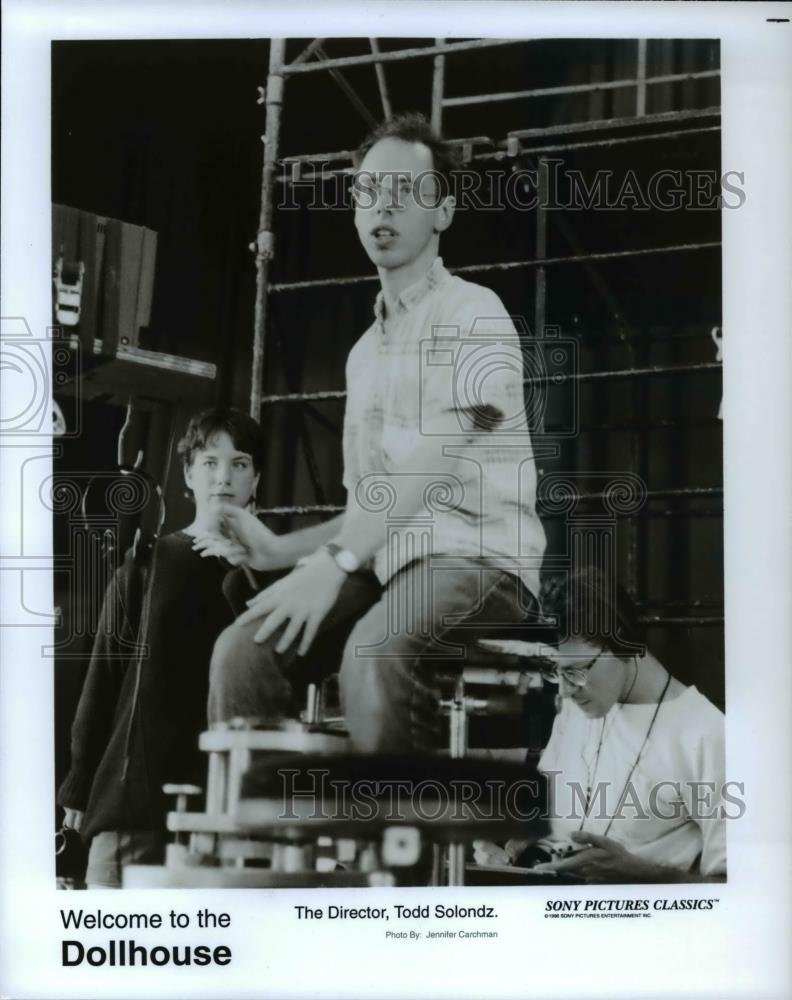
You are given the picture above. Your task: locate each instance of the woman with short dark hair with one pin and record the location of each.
(143, 702)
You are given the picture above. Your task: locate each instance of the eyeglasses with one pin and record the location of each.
(576, 676)
(395, 189)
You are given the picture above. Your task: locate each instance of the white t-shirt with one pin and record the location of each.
(670, 810)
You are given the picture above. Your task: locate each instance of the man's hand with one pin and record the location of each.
(72, 819)
(487, 853)
(302, 599)
(605, 860)
(243, 541)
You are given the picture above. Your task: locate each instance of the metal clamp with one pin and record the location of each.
(264, 246)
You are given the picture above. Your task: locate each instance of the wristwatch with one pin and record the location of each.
(344, 558)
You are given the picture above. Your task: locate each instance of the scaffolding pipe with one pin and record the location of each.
(327, 509)
(662, 620)
(348, 154)
(308, 51)
(553, 380)
(500, 154)
(343, 154)
(692, 493)
(510, 265)
(576, 88)
(709, 423)
(637, 561)
(628, 121)
(703, 604)
(540, 274)
(604, 143)
(402, 55)
(540, 249)
(700, 366)
(503, 149)
(438, 89)
(382, 83)
(348, 90)
(580, 258)
(264, 245)
(640, 94)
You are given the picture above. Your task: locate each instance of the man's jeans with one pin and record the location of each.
(391, 644)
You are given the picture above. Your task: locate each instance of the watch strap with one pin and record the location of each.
(344, 558)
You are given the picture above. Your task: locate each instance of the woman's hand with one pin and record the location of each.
(605, 860)
(243, 541)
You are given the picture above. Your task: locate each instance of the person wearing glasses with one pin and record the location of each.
(635, 760)
(440, 539)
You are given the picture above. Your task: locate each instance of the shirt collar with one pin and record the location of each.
(413, 294)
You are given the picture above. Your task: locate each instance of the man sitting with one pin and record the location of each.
(440, 542)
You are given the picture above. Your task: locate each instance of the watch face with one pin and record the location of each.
(347, 560)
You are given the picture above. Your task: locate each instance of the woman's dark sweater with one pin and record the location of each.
(120, 759)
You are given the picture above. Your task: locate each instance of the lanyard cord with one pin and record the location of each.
(592, 774)
(635, 762)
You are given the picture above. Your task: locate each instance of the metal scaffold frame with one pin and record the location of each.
(520, 145)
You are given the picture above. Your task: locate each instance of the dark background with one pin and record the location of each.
(166, 134)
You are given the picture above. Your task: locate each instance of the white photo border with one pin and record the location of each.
(739, 948)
